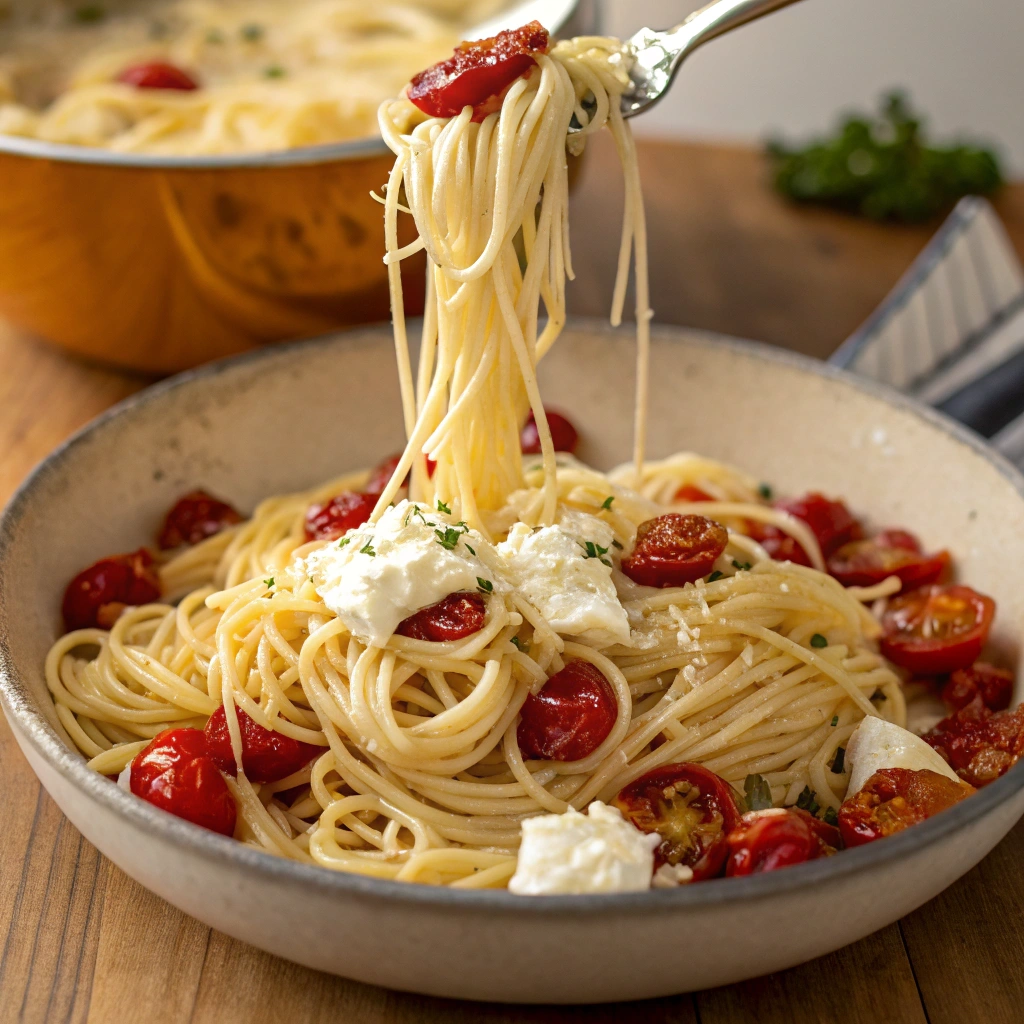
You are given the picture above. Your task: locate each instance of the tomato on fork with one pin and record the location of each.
(452, 618)
(98, 595)
(674, 549)
(863, 563)
(936, 629)
(563, 434)
(570, 717)
(691, 808)
(195, 517)
(478, 73)
(158, 74)
(895, 798)
(267, 756)
(778, 837)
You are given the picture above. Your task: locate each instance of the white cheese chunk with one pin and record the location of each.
(124, 779)
(582, 853)
(569, 583)
(877, 744)
(409, 559)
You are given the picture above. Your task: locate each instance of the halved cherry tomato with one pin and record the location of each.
(778, 838)
(195, 517)
(979, 744)
(830, 521)
(690, 493)
(893, 799)
(338, 515)
(267, 756)
(563, 434)
(993, 685)
(691, 808)
(478, 72)
(674, 549)
(98, 595)
(779, 544)
(176, 773)
(382, 474)
(158, 74)
(570, 717)
(452, 618)
(936, 629)
(863, 563)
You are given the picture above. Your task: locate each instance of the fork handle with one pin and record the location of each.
(715, 20)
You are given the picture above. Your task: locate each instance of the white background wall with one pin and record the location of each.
(962, 60)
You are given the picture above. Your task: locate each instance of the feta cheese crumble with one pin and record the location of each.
(412, 557)
(574, 853)
(877, 744)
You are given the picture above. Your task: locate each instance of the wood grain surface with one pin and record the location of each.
(81, 942)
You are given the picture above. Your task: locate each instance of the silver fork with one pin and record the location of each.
(659, 54)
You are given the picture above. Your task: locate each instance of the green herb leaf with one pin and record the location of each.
(442, 507)
(830, 817)
(716, 575)
(741, 565)
(808, 801)
(765, 491)
(607, 503)
(89, 14)
(344, 541)
(835, 721)
(274, 71)
(838, 761)
(251, 33)
(469, 547)
(484, 586)
(819, 641)
(592, 550)
(367, 549)
(521, 644)
(448, 537)
(616, 544)
(270, 582)
(758, 792)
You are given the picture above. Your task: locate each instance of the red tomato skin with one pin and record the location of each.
(176, 773)
(779, 545)
(830, 521)
(158, 74)
(570, 717)
(338, 515)
(778, 838)
(688, 492)
(993, 685)
(563, 434)
(477, 71)
(936, 655)
(381, 475)
(980, 745)
(674, 549)
(452, 618)
(97, 595)
(194, 517)
(651, 799)
(894, 799)
(267, 756)
(863, 563)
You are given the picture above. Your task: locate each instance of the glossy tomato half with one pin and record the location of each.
(863, 563)
(98, 595)
(936, 629)
(691, 808)
(452, 618)
(674, 549)
(336, 516)
(158, 74)
(830, 521)
(267, 756)
(690, 492)
(563, 434)
(895, 798)
(195, 517)
(779, 545)
(778, 837)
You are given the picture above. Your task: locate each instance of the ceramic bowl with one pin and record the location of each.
(286, 417)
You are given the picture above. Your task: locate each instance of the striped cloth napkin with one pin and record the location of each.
(951, 333)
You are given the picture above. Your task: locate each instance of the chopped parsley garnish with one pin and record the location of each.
(251, 33)
(607, 503)
(269, 583)
(484, 586)
(818, 641)
(89, 14)
(595, 551)
(765, 490)
(417, 511)
(274, 71)
(716, 575)
(215, 37)
(616, 544)
(522, 645)
(344, 541)
(838, 761)
(448, 537)
(469, 548)
(835, 721)
(808, 801)
(830, 817)
(741, 565)
(367, 549)
(758, 792)
(442, 507)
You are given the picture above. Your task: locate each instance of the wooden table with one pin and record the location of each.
(83, 942)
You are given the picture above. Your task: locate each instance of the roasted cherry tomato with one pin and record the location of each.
(779, 544)
(690, 493)
(177, 774)
(936, 629)
(452, 618)
(895, 798)
(830, 521)
(778, 838)
(195, 517)
(563, 434)
(993, 685)
(674, 549)
(382, 474)
(267, 756)
(863, 563)
(98, 595)
(157, 74)
(980, 745)
(338, 515)
(691, 808)
(478, 73)
(570, 717)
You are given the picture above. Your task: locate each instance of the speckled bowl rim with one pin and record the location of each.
(255, 864)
